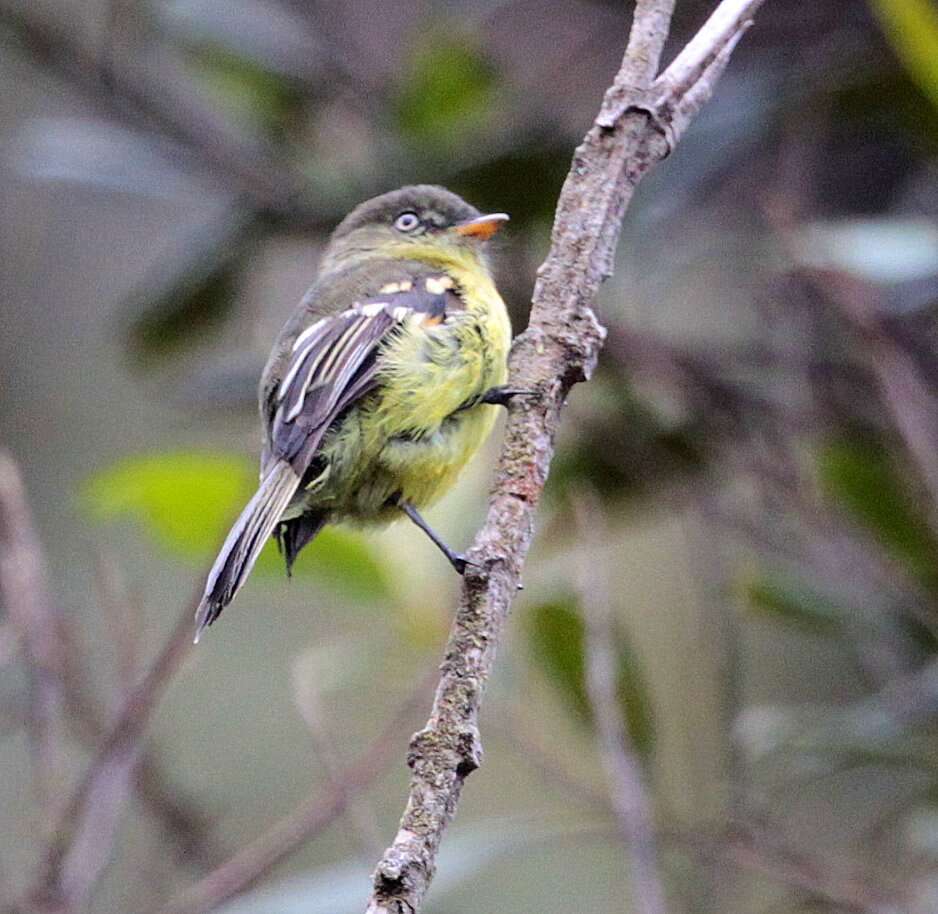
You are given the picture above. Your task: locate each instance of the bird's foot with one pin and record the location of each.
(460, 562)
(503, 395)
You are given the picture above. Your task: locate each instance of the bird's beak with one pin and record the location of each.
(482, 227)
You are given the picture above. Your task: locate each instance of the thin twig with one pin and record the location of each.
(57, 683)
(186, 827)
(25, 597)
(123, 616)
(83, 842)
(851, 891)
(905, 392)
(326, 748)
(512, 726)
(558, 349)
(626, 780)
(309, 819)
(142, 98)
(717, 38)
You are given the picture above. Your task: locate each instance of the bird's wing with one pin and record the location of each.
(334, 362)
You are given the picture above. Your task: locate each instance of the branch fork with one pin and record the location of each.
(640, 121)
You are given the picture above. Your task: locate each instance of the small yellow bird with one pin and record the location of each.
(381, 386)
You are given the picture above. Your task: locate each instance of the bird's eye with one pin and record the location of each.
(406, 222)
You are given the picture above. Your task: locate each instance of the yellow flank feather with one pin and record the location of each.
(415, 435)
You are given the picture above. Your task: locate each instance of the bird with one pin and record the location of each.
(381, 386)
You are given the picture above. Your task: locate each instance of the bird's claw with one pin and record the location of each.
(502, 396)
(460, 562)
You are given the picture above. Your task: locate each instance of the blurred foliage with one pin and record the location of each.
(775, 598)
(865, 478)
(175, 310)
(447, 93)
(557, 638)
(186, 502)
(184, 499)
(509, 176)
(623, 448)
(912, 29)
(255, 96)
(356, 99)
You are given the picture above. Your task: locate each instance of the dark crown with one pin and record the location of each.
(434, 205)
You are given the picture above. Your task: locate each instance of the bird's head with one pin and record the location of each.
(422, 222)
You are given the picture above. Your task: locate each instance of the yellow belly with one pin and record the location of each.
(423, 471)
(411, 437)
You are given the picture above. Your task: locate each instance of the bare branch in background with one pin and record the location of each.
(513, 726)
(83, 842)
(124, 618)
(558, 349)
(58, 690)
(904, 390)
(26, 600)
(802, 871)
(744, 845)
(176, 814)
(627, 791)
(311, 817)
(136, 97)
(327, 748)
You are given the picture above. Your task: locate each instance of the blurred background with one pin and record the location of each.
(749, 483)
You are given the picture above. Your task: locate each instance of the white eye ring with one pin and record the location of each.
(406, 222)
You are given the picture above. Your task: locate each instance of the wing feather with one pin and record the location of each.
(334, 362)
(312, 388)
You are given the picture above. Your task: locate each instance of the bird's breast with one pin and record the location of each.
(433, 368)
(419, 427)
(431, 375)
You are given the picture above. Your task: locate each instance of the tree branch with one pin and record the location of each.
(59, 694)
(626, 782)
(714, 42)
(147, 98)
(327, 749)
(24, 595)
(559, 348)
(319, 810)
(746, 848)
(83, 842)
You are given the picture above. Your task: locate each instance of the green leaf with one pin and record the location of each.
(634, 699)
(793, 604)
(337, 559)
(184, 500)
(448, 93)
(864, 479)
(257, 96)
(557, 638)
(912, 28)
(187, 501)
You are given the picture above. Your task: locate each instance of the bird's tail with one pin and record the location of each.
(245, 541)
